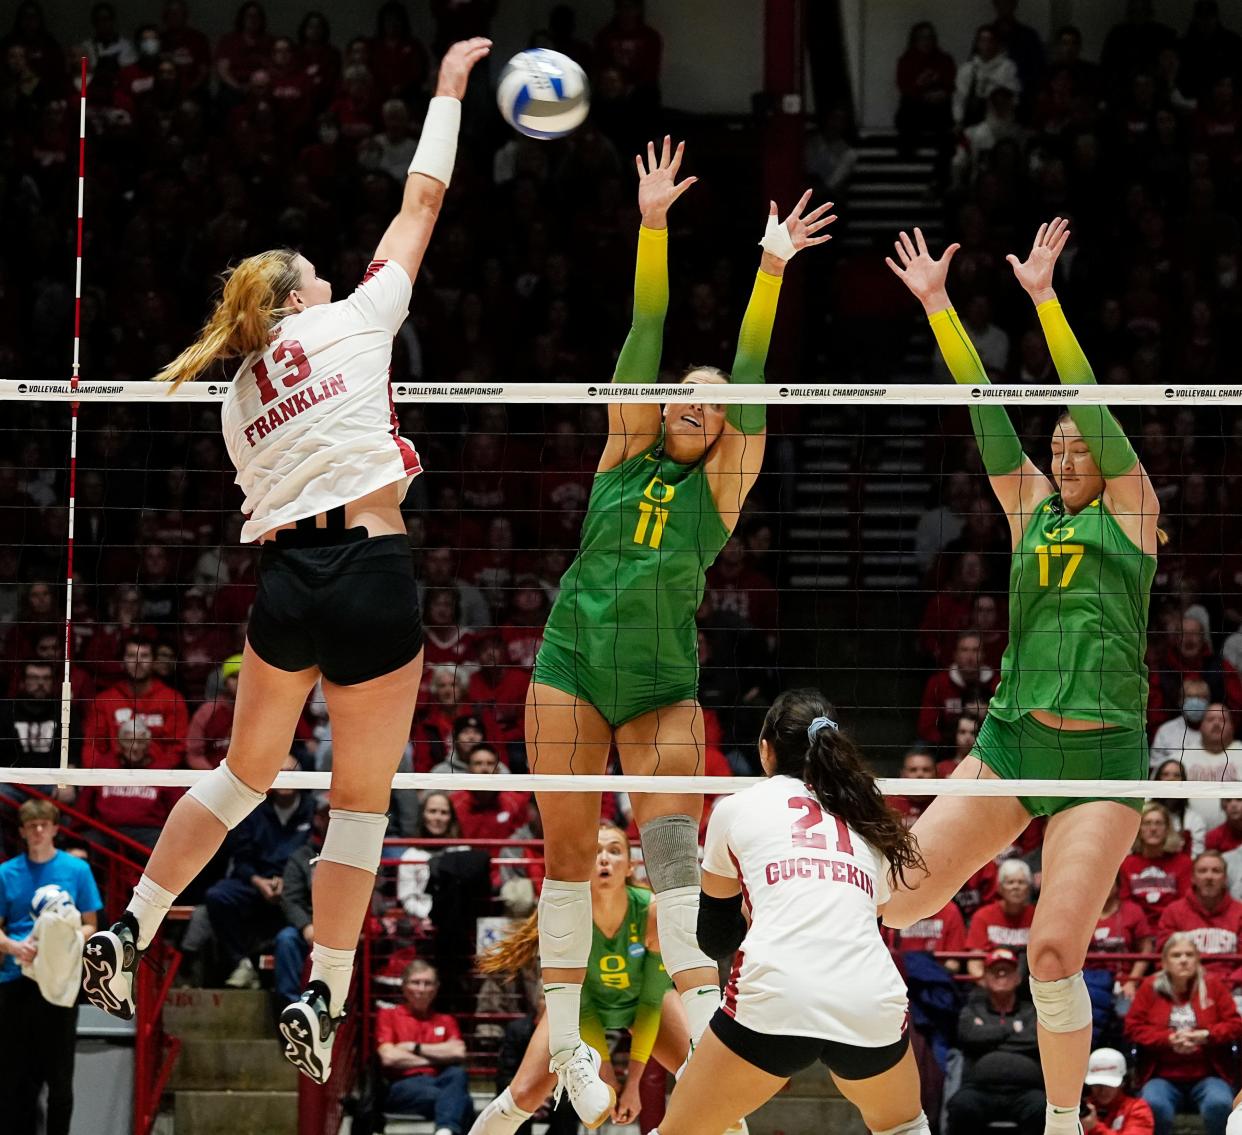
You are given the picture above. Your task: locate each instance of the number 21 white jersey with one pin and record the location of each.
(813, 962)
(310, 423)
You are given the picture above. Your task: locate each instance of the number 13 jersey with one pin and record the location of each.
(310, 423)
(813, 962)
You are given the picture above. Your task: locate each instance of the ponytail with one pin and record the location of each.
(250, 305)
(514, 952)
(830, 765)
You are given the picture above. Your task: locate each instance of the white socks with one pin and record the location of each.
(701, 1004)
(501, 1117)
(564, 1001)
(1061, 1121)
(149, 906)
(334, 968)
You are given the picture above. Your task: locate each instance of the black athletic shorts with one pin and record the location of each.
(338, 600)
(780, 1055)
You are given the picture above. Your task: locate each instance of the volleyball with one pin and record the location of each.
(543, 94)
(49, 897)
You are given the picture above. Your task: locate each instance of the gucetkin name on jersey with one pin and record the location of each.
(297, 403)
(813, 867)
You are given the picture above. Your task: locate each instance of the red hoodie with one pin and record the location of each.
(1155, 883)
(129, 805)
(1214, 932)
(1153, 1019)
(161, 709)
(1126, 1116)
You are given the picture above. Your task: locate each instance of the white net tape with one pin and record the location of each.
(564, 393)
(710, 785)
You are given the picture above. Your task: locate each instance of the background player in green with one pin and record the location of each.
(1072, 701)
(625, 988)
(619, 660)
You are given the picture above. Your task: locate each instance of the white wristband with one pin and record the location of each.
(437, 145)
(777, 241)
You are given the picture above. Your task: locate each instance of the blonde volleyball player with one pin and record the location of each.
(813, 852)
(619, 660)
(309, 424)
(1072, 701)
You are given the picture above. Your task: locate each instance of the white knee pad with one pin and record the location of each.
(1062, 1006)
(564, 924)
(916, 1126)
(355, 839)
(225, 796)
(678, 913)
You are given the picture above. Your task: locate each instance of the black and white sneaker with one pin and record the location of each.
(308, 1030)
(109, 964)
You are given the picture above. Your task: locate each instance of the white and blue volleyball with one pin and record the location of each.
(49, 897)
(543, 94)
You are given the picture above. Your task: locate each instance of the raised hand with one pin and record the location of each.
(921, 272)
(802, 229)
(457, 64)
(1035, 272)
(658, 186)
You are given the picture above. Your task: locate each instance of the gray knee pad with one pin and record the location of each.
(355, 839)
(1062, 1006)
(671, 852)
(671, 857)
(225, 796)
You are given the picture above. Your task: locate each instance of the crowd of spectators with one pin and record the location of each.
(206, 152)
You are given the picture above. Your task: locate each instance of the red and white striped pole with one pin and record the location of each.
(66, 688)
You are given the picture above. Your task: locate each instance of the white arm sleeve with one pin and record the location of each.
(383, 297)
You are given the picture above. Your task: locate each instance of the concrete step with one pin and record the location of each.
(786, 1115)
(236, 1113)
(234, 1014)
(212, 1063)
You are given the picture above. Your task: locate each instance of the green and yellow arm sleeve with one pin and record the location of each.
(752, 350)
(994, 433)
(639, 360)
(1106, 440)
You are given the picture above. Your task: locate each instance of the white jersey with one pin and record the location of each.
(310, 423)
(812, 963)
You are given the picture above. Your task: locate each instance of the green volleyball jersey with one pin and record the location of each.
(614, 976)
(628, 601)
(1078, 596)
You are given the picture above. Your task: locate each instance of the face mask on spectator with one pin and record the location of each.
(1193, 710)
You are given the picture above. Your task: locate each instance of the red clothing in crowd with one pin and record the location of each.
(207, 740)
(1155, 883)
(746, 592)
(942, 704)
(161, 709)
(128, 805)
(1153, 1019)
(978, 890)
(1120, 933)
(1126, 1115)
(397, 1025)
(490, 815)
(991, 928)
(1214, 932)
(522, 644)
(1222, 839)
(503, 704)
(943, 931)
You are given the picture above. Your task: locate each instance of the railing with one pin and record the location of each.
(155, 1052)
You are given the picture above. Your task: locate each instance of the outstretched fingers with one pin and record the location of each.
(902, 255)
(815, 214)
(666, 152)
(675, 165)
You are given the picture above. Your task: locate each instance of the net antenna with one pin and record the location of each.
(66, 686)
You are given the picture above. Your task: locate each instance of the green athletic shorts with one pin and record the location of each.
(618, 691)
(1030, 750)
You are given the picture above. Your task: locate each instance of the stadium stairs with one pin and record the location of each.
(230, 1077)
(862, 480)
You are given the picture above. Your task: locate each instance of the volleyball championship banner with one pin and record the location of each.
(562, 393)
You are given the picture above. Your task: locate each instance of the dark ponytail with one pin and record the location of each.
(830, 766)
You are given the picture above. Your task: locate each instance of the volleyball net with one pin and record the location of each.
(871, 562)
